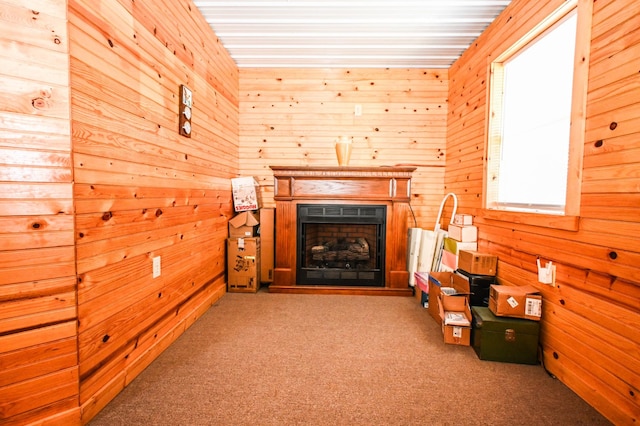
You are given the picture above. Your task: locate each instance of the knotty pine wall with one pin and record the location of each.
(38, 364)
(291, 117)
(89, 124)
(591, 319)
(141, 189)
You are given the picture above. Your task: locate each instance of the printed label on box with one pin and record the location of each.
(533, 307)
(512, 302)
(457, 332)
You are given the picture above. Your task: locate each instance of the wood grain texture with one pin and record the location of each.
(38, 347)
(589, 330)
(142, 190)
(291, 117)
(83, 213)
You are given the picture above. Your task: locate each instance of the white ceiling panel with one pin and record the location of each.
(348, 33)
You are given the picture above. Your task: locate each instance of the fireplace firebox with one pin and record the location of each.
(341, 244)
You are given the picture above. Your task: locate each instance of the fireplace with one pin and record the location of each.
(340, 244)
(341, 230)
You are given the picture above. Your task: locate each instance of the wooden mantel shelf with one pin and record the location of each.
(343, 183)
(389, 186)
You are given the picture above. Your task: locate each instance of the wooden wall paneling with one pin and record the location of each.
(38, 348)
(163, 103)
(588, 335)
(141, 189)
(403, 117)
(30, 363)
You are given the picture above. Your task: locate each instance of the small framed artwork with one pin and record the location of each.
(187, 96)
(185, 111)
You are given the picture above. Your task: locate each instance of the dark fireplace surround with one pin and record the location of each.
(341, 230)
(340, 244)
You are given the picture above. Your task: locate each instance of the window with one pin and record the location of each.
(536, 120)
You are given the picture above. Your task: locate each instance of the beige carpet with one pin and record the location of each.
(280, 359)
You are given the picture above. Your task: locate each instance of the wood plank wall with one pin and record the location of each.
(141, 189)
(291, 117)
(591, 318)
(38, 364)
(89, 123)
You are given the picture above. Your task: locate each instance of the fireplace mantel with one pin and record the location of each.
(389, 186)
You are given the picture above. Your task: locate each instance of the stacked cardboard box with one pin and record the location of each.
(243, 265)
(251, 234)
(455, 318)
(461, 235)
(480, 270)
(244, 225)
(260, 226)
(449, 306)
(516, 302)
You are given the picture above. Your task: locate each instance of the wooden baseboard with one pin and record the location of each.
(351, 290)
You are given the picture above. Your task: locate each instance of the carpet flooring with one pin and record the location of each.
(285, 359)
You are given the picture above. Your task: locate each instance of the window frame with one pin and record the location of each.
(569, 220)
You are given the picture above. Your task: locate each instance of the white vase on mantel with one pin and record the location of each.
(344, 144)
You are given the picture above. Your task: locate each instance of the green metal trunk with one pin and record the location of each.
(504, 339)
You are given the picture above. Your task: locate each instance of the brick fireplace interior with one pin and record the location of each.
(340, 244)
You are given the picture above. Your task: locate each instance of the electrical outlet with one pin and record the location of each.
(156, 267)
(358, 110)
(546, 274)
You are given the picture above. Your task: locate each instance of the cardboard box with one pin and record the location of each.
(437, 280)
(477, 263)
(463, 219)
(515, 301)
(451, 251)
(422, 282)
(456, 319)
(244, 225)
(504, 339)
(267, 244)
(245, 194)
(464, 234)
(243, 265)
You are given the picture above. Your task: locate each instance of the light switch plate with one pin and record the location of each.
(156, 267)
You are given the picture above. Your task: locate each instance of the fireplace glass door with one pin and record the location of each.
(340, 244)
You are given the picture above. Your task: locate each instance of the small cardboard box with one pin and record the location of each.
(451, 251)
(243, 265)
(267, 244)
(245, 194)
(463, 233)
(504, 339)
(515, 301)
(477, 263)
(244, 225)
(463, 219)
(456, 319)
(422, 282)
(437, 280)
